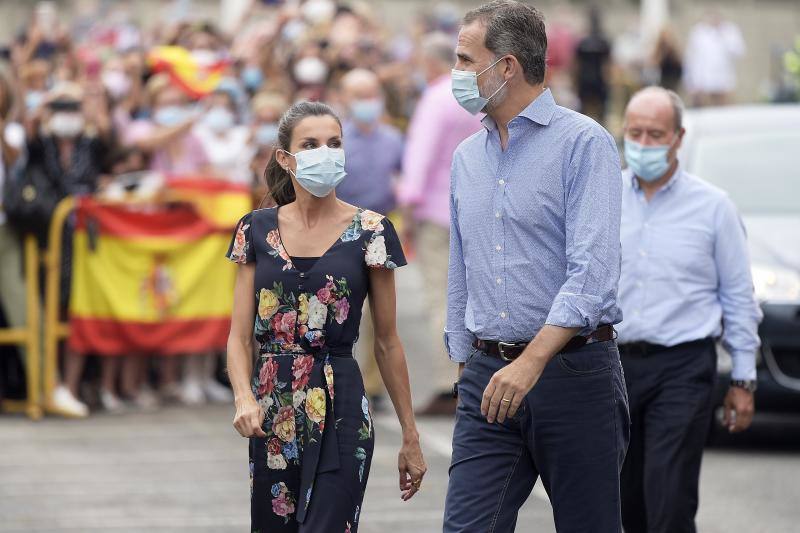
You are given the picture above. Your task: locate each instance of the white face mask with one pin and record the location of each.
(311, 71)
(64, 124)
(117, 82)
(320, 170)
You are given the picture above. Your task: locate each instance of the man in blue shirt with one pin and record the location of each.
(532, 285)
(373, 159)
(685, 282)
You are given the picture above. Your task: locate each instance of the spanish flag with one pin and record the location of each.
(196, 78)
(154, 278)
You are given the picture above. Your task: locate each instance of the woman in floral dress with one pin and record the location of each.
(302, 404)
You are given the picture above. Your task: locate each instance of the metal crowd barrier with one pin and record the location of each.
(28, 336)
(41, 372)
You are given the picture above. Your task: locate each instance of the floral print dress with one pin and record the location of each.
(310, 472)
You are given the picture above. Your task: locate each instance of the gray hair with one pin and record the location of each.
(517, 29)
(439, 46)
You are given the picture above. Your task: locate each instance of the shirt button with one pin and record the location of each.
(502, 182)
(498, 247)
(302, 274)
(301, 287)
(499, 281)
(497, 215)
(503, 314)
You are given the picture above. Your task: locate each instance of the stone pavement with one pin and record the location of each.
(185, 469)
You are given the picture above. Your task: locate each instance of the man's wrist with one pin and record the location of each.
(750, 385)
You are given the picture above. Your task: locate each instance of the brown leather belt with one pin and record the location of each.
(508, 351)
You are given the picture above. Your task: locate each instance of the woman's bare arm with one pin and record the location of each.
(249, 415)
(391, 361)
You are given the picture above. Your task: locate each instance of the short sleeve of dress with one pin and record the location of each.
(383, 248)
(241, 249)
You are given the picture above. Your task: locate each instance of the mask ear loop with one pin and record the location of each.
(289, 153)
(501, 86)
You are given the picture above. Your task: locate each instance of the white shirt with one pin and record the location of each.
(229, 154)
(14, 136)
(710, 55)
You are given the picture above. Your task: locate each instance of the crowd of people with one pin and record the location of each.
(83, 101)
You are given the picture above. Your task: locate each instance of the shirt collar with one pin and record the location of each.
(667, 186)
(540, 111)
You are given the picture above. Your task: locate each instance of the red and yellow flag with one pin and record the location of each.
(154, 278)
(195, 78)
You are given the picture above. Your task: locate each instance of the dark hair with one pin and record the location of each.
(279, 181)
(517, 29)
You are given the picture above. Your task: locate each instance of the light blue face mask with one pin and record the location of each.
(320, 170)
(267, 133)
(219, 119)
(171, 115)
(464, 84)
(252, 78)
(367, 111)
(647, 162)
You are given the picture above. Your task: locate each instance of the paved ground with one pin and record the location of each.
(186, 469)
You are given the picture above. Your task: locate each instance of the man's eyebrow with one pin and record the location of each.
(464, 57)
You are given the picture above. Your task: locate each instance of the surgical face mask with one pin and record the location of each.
(219, 119)
(367, 111)
(311, 71)
(320, 170)
(65, 125)
(465, 89)
(318, 11)
(205, 57)
(171, 115)
(266, 134)
(33, 99)
(252, 78)
(117, 83)
(647, 162)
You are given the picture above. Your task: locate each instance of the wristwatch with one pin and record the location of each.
(750, 385)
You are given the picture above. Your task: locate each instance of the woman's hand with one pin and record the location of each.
(249, 418)
(412, 467)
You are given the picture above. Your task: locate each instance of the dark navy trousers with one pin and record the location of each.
(670, 399)
(572, 430)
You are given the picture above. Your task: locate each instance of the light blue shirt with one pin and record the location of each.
(534, 229)
(686, 271)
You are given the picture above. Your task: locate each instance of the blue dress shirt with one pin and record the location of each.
(686, 269)
(534, 228)
(372, 160)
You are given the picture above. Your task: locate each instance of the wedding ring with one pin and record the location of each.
(505, 400)
(416, 484)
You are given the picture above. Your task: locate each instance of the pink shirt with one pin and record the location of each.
(438, 126)
(192, 159)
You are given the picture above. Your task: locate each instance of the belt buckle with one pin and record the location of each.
(501, 350)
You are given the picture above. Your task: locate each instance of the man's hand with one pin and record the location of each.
(739, 407)
(511, 383)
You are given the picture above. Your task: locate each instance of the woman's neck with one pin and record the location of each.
(311, 209)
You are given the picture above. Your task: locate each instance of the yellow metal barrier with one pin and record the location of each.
(54, 329)
(28, 336)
